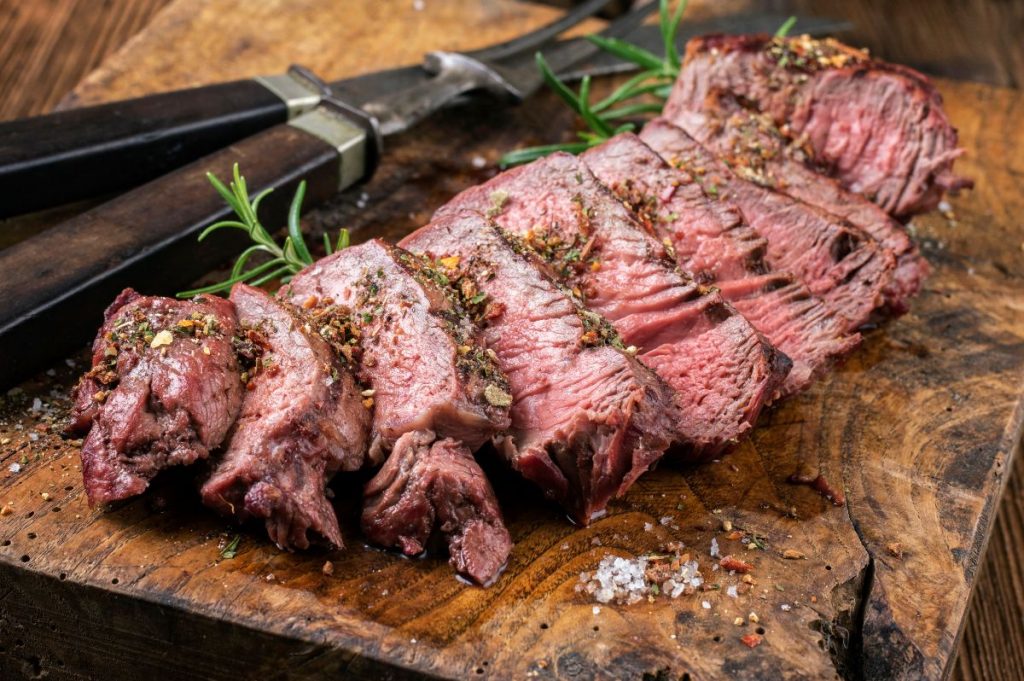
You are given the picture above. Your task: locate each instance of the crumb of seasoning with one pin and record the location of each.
(793, 554)
(735, 565)
(705, 604)
(785, 607)
(231, 550)
(164, 337)
(269, 577)
(328, 568)
(714, 548)
(45, 496)
(739, 621)
(753, 618)
(597, 610)
(895, 549)
(496, 396)
(751, 640)
(727, 526)
(6, 510)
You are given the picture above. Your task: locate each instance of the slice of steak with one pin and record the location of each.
(756, 150)
(723, 371)
(163, 391)
(587, 417)
(711, 240)
(426, 484)
(420, 352)
(302, 420)
(838, 262)
(430, 377)
(878, 128)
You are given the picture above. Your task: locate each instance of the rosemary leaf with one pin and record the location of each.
(294, 230)
(343, 239)
(669, 30)
(786, 28)
(631, 110)
(521, 156)
(628, 51)
(555, 84)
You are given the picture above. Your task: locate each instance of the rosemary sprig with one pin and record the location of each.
(628, 101)
(655, 79)
(285, 259)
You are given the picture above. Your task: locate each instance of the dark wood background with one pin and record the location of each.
(47, 46)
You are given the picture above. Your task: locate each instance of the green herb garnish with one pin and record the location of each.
(785, 28)
(644, 93)
(285, 259)
(231, 550)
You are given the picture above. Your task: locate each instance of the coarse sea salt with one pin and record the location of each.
(625, 580)
(714, 548)
(731, 592)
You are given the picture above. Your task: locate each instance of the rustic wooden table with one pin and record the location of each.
(47, 46)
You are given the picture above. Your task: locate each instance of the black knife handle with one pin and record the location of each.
(56, 285)
(92, 151)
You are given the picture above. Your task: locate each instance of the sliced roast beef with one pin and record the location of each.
(878, 128)
(419, 351)
(756, 151)
(428, 376)
(587, 417)
(163, 391)
(711, 240)
(722, 370)
(426, 484)
(838, 262)
(302, 420)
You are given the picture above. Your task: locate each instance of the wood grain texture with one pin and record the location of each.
(928, 481)
(47, 46)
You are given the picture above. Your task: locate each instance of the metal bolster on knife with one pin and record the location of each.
(300, 89)
(352, 132)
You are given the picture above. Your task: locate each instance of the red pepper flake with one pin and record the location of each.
(751, 640)
(736, 565)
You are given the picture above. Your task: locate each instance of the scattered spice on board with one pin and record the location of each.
(735, 564)
(751, 640)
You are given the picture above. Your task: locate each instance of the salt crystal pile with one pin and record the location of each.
(616, 579)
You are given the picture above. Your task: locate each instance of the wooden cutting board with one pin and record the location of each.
(918, 429)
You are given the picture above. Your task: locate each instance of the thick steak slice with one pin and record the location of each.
(756, 151)
(878, 128)
(711, 240)
(722, 369)
(430, 377)
(302, 420)
(420, 352)
(163, 391)
(838, 262)
(587, 417)
(428, 483)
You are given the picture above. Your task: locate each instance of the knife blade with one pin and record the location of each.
(358, 90)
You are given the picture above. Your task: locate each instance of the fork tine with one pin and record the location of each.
(564, 55)
(528, 42)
